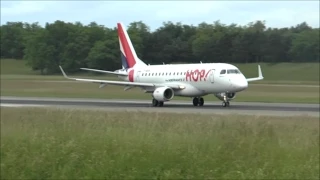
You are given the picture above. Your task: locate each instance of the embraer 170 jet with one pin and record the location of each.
(166, 81)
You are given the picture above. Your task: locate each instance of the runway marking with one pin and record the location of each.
(20, 105)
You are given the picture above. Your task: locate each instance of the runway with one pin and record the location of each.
(274, 109)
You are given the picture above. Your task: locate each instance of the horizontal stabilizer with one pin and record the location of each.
(107, 72)
(260, 77)
(102, 85)
(127, 88)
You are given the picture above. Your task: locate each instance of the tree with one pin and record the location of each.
(75, 45)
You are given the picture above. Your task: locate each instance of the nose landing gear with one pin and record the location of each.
(225, 102)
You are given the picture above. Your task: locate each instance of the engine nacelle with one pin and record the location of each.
(163, 94)
(229, 96)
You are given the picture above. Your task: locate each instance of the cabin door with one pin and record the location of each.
(211, 76)
(137, 77)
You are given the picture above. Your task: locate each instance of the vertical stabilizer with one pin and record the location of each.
(128, 54)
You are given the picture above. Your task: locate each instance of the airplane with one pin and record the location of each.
(166, 81)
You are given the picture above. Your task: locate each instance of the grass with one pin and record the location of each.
(17, 80)
(17, 69)
(284, 73)
(13, 66)
(75, 144)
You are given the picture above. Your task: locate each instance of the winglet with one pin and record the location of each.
(260, 77)
(260, 72)
(64, 74)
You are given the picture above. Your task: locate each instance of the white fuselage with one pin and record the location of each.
(197, 79)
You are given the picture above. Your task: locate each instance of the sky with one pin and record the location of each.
(154, 13)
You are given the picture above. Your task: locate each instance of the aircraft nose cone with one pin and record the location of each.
(240, 84)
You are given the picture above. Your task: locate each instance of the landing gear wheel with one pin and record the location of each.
(201, 102)
(225, 104)
(154, 102)
(195, 101)
(160, 103)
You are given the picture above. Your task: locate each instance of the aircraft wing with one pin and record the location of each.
(103, 71)
(260, 77)
(121, 83)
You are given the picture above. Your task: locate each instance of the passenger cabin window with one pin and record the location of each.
(223, 71)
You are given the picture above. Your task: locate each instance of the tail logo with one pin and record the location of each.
(127, 54)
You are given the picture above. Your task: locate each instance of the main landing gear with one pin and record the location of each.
(157, 103)
(198, 101)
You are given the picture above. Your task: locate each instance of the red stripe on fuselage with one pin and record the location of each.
(126, 48)
(131, 74)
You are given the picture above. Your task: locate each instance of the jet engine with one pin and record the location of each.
(163, 94)
(229, 96)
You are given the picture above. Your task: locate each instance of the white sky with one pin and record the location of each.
(154, 13)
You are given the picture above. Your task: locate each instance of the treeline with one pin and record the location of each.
(74, 45)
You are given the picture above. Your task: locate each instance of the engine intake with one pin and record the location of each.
(229, 96)
(163, 94)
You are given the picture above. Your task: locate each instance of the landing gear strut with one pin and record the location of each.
(225, 102)
(157, 103)
(198, 101)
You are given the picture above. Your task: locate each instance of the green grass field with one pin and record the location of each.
(76, 144)
(18, 80)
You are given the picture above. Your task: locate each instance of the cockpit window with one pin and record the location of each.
(223, 71)
(233, 71)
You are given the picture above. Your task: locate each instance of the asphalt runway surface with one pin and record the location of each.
(175, 106)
